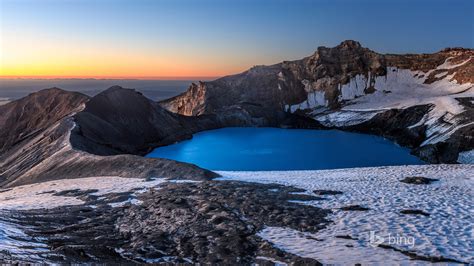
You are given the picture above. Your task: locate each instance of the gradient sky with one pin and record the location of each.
(198, 38)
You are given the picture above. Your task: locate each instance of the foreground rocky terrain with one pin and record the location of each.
(217, 224)
(422, 101)
(295, 217)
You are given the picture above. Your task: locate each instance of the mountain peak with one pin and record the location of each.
(119, 91)
(115, 87)
(48, 91)
(350, 44)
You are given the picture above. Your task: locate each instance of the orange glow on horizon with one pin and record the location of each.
(114, 77)
(35, 56)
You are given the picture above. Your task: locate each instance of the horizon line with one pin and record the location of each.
(48, 77)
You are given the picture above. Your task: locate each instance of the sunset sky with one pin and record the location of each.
(203, 38)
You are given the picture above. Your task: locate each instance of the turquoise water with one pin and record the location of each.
(285, 149)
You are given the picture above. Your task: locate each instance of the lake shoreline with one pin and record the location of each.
(267, 148)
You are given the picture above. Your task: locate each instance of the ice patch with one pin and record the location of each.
(446, 232)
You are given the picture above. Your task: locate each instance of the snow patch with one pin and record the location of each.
(13, 238)
(447, 63)
(355, 88)
(466, 157)
(275, 262)
(446, 232)
(329, 251)
(40, 195)
(315, 99)
(345, 118)
(441, 74)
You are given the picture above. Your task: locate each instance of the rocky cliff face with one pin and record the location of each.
(350, 85)
(315, 78)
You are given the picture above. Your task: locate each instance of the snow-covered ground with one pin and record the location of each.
(13, 238)
(446, 232)
(41, 195)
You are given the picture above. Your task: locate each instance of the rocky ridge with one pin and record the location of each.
(61, 133)
(69, 135)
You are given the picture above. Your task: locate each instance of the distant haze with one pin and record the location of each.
(12, 89)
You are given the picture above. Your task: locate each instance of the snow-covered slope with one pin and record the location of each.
(446, 232)
(400, 89)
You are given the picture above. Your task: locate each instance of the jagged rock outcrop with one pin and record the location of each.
(350, 85)
(317, 80)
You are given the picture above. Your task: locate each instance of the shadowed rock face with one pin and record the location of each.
(27, 117)
(395, 124)
(48, 137)
(125, 120)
